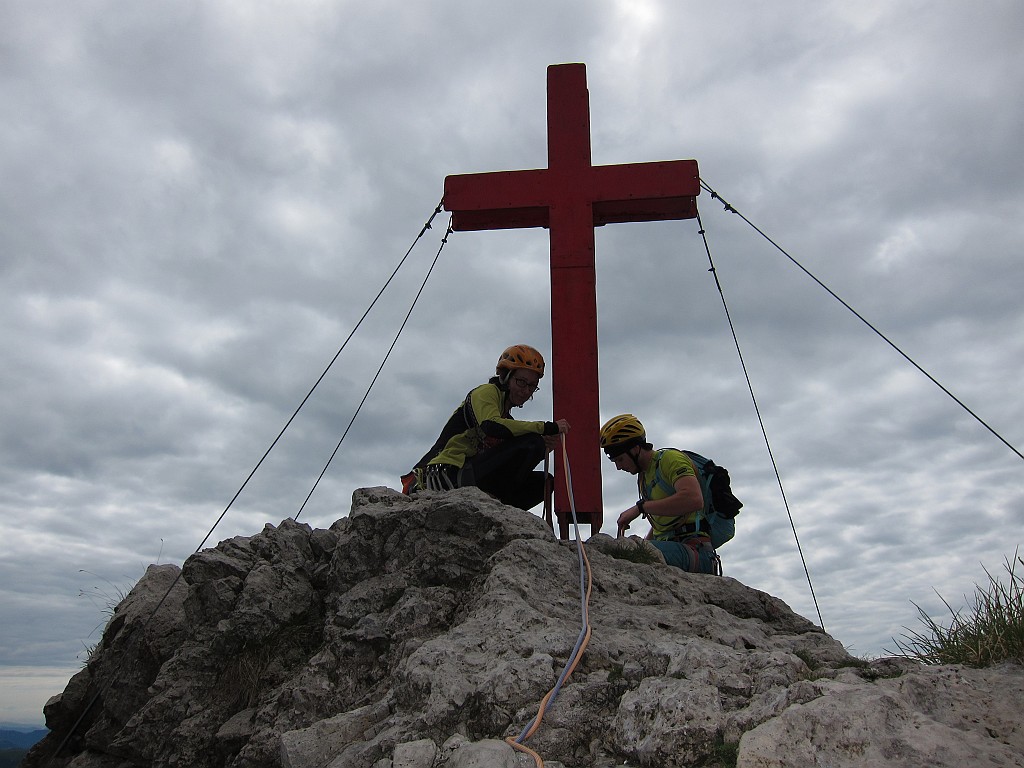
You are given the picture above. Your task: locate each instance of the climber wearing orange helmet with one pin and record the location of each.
(482, 445)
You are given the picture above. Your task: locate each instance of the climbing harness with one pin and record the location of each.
(696, 544)
(586, 583)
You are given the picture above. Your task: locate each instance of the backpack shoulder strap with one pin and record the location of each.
(703, 466)
(703, 479)
(659, 477)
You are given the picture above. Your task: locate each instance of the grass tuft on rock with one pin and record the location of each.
(989, 632)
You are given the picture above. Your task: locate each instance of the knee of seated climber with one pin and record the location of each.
(680, 556)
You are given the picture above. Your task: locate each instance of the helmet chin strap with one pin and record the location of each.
(634, 455)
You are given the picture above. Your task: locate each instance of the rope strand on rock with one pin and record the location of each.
(586, 584)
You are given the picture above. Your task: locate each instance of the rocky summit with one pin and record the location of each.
(420, 632)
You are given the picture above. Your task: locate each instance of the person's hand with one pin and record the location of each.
(627, 517)
(563, 426)
(551, 442)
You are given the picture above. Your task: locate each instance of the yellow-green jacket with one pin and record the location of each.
(483, 419)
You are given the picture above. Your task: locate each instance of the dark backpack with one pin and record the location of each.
(720, 505)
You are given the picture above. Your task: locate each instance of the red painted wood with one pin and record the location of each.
(570, 197)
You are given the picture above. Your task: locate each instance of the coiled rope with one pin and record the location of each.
(586, 583)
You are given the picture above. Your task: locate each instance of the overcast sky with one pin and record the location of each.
(198, 202)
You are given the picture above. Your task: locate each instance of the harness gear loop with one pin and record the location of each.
(438, 477)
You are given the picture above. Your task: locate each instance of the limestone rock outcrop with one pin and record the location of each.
(419, 632)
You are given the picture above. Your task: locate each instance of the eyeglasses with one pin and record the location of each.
(526, 383)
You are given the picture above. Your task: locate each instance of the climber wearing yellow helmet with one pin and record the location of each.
(671, 496)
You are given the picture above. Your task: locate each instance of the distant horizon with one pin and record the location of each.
(22, 727)
(26, 690)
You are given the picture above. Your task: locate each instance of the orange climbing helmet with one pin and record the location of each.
(520, 356)
(620, 433)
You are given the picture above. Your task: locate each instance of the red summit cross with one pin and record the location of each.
(570, 197)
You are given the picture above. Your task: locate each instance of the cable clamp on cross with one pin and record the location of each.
(715, 196)
(427, 226)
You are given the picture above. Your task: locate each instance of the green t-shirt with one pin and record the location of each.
(658, 482)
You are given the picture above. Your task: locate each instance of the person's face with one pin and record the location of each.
(522, 383)
(626, 462)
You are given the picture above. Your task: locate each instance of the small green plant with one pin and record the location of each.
(807, 659)
(990, 632)
(250, 673)
(633, 551)
(727, 753)
(105, 599)
(855, 663)
(724, 755)
(260, 665)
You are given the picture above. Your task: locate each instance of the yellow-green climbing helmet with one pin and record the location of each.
(620, 433)
(520, 356)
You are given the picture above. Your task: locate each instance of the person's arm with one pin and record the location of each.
(687, 500)
(486, 404)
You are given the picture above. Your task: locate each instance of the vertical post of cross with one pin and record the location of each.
(575, 385)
